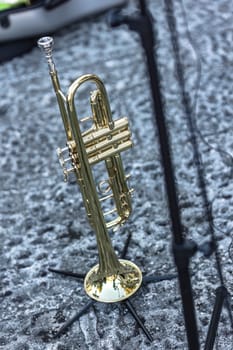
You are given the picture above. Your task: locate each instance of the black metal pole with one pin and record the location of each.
(182, 250)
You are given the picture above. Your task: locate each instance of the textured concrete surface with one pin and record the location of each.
(43, 222)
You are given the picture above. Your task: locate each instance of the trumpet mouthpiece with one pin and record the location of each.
(46, 44)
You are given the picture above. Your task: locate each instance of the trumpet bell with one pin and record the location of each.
(116, 287)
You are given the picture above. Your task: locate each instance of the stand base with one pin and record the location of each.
(145, 280)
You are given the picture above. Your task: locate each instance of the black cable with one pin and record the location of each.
(197, 89)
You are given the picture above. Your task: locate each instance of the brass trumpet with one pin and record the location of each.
(112, 279)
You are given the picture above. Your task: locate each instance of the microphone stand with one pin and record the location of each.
(183, 249)
(222, 295)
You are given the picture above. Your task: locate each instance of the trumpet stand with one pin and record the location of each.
(127, 302)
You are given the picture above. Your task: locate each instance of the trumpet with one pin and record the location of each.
(112, 279)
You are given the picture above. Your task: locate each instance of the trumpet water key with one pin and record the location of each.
(112, 279)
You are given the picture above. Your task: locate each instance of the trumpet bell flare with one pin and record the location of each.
(113, 288)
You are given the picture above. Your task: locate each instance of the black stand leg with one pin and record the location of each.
(127, 303)
(221, 295)
(155, 279)
(74, 318)
(133, 312)
(68, 273)
(181, 249)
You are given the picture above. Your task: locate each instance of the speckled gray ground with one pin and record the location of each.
(43, 222)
